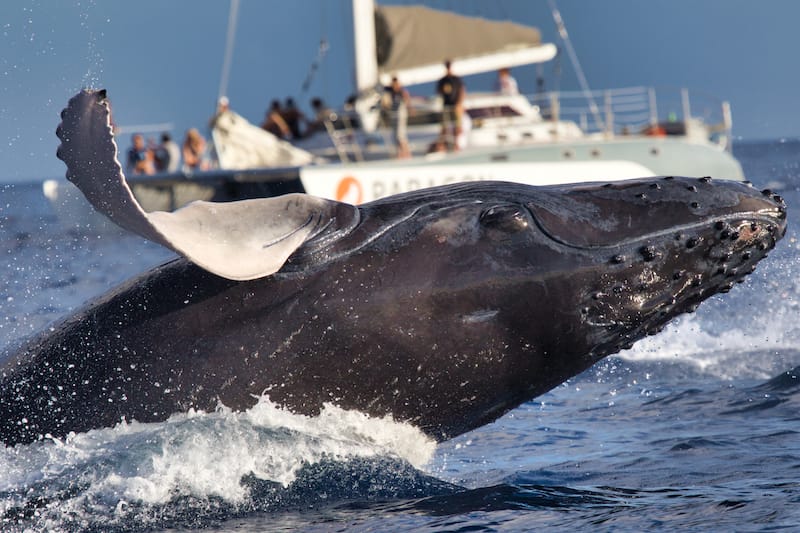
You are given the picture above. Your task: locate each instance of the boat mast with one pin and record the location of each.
(366, 63)
(233, 16)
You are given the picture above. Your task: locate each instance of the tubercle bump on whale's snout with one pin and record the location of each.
(779, 212)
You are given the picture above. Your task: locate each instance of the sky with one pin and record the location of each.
(161, 61)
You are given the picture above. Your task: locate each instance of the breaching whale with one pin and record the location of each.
(444, 308)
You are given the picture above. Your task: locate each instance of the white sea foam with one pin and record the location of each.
(202, 455)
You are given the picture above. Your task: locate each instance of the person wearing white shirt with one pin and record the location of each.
(506, 84)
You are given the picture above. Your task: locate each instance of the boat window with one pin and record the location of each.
(424, 117)
(492, 111)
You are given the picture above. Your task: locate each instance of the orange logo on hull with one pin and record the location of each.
(349, 191)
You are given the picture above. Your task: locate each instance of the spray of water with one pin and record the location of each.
(94, 36)
(751, 332)
(200, 455)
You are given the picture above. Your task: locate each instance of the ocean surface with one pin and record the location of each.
(697, 428)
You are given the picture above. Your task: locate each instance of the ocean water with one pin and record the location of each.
(697, 428)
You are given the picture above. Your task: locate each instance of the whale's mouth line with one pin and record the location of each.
(767, 217)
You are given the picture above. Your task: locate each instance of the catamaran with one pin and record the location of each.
(538, 139)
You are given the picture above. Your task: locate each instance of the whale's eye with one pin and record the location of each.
(505, 218)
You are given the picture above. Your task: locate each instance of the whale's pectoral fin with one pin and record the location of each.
(237, 240)
(249, 239)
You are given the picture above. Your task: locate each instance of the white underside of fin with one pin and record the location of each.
(241, 240)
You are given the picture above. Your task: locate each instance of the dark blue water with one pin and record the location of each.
(695, 429)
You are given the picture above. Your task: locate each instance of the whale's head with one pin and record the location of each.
(600, 265)
(656, 248)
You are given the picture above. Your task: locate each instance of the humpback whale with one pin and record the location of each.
(444, 308)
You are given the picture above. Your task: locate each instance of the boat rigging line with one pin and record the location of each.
(321, 53)
(573, 57)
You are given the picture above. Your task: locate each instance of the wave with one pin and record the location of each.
(209, 464)
(202, 469)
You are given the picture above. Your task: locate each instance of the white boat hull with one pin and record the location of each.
(358, 184)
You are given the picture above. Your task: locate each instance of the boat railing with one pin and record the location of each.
(641, 110)
(340, 128)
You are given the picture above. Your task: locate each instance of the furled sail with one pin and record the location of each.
(413, 41)
(241, 145)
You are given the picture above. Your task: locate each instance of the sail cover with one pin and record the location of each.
(241, 145)
(413, 42)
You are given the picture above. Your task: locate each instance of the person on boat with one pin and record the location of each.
(274, 122)
(293, 118)
(463, 137)
(322, 113)
(452, 91)
(194, 152)
(506, 84)
(167, 155)
(397, 102)
(140, 158)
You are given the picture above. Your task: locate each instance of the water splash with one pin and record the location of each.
(202, 457)
(750, 333)
(94, 56)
